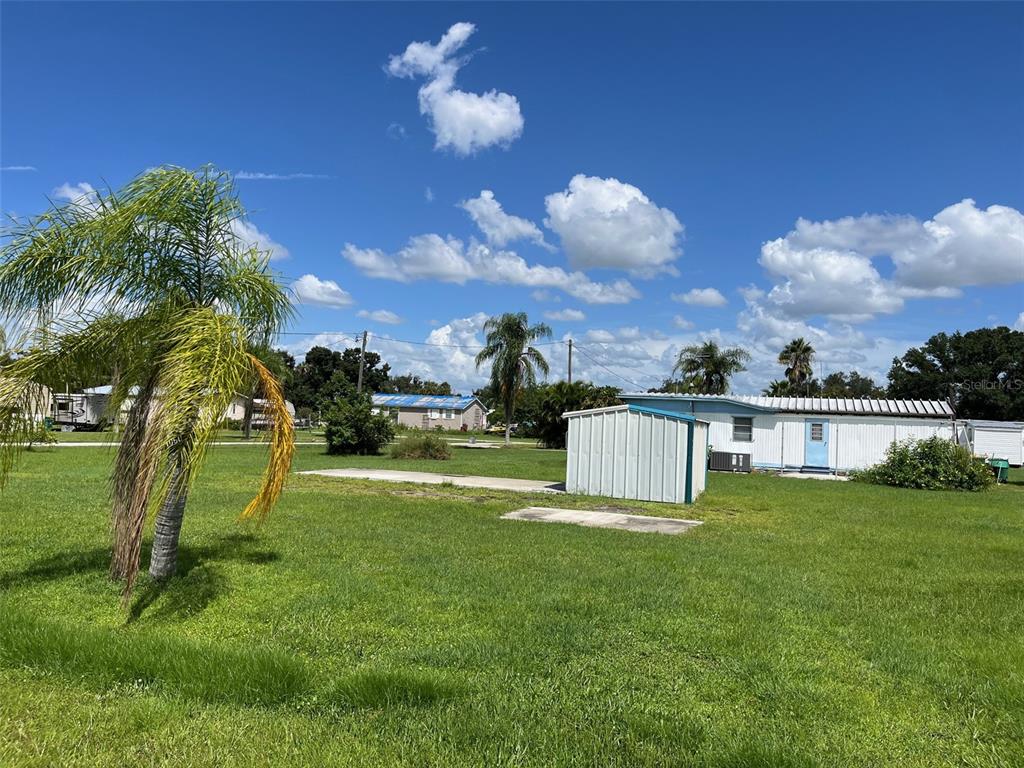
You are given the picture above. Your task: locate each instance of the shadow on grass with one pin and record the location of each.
(197, 582)
(164, 662)
(374, 690)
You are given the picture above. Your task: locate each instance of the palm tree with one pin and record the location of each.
(513, 360)
(797, 356)
(777, 388)
(151, 282)
(709, 368)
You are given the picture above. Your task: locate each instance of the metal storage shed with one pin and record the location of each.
(636, 452)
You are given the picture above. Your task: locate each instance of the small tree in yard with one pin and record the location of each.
(933, 464)
(154, 282)
(352, 427)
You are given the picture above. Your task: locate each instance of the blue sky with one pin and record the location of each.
(646, 176)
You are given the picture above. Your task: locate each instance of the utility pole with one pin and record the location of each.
(570, 361)
(362, 358)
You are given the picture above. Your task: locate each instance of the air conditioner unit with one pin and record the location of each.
(723, 461)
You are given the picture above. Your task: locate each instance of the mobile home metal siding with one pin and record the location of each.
(630, 453)
(997, 440)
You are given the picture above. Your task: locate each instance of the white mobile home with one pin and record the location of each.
(811, 433)
(995, 439)
(636, 452)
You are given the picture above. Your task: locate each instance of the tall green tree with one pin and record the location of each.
(410, 384)
(707, 368)
(797, 356)
(852, 384)
(514, 361)
(980, 372)
(153, 281)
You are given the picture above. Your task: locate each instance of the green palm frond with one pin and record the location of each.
(152, 283)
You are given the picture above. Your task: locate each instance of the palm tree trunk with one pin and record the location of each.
(164, 559)
(508, 434)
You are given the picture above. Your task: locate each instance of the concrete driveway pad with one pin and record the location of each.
(434, 478)
(640, 523)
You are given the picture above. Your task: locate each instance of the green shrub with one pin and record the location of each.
(425, 446)
(352, 427)
(933, 464)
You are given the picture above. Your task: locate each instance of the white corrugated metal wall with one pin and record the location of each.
(629, 454)
(855, 442)
(699, 459)
(998, 444)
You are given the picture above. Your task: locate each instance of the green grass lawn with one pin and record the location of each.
(228, 435)
(366, 624)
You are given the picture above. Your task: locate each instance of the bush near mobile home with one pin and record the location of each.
(932, 464)
(352, 427)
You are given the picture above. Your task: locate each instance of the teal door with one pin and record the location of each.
(816, 443)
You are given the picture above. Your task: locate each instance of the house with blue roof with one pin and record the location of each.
(454, 412)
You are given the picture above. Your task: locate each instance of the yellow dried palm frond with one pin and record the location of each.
(282, 444)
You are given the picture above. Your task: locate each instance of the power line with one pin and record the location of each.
(586, 354)
(356, 334)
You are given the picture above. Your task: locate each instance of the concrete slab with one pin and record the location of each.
(434, 478)
(639, 523)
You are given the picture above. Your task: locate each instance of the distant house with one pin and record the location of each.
(261, 419)
(432, 411)
(811, 433)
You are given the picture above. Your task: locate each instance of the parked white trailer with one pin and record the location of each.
(996, 439)
(635, 452)
(808, 433)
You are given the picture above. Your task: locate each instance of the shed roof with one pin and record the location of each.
(454, 402)
(632, 407)
(859, 406)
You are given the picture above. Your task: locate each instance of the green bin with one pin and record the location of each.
(1001, 469)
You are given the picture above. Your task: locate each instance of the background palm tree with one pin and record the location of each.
(797, 356)
(513, 359)
(777, 388)
(708, 368)
(152, 282)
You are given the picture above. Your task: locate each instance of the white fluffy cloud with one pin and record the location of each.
(606, 223)
(829, 268)
(961, 245)
(309, 289)
(385, 316)
(465, 122)
(253, 237)
(432, 257)
(701, 297)
(565, 315)
(1019, 324)
(83, 194)
(448, 353)
(682, 323)
(500, 228)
